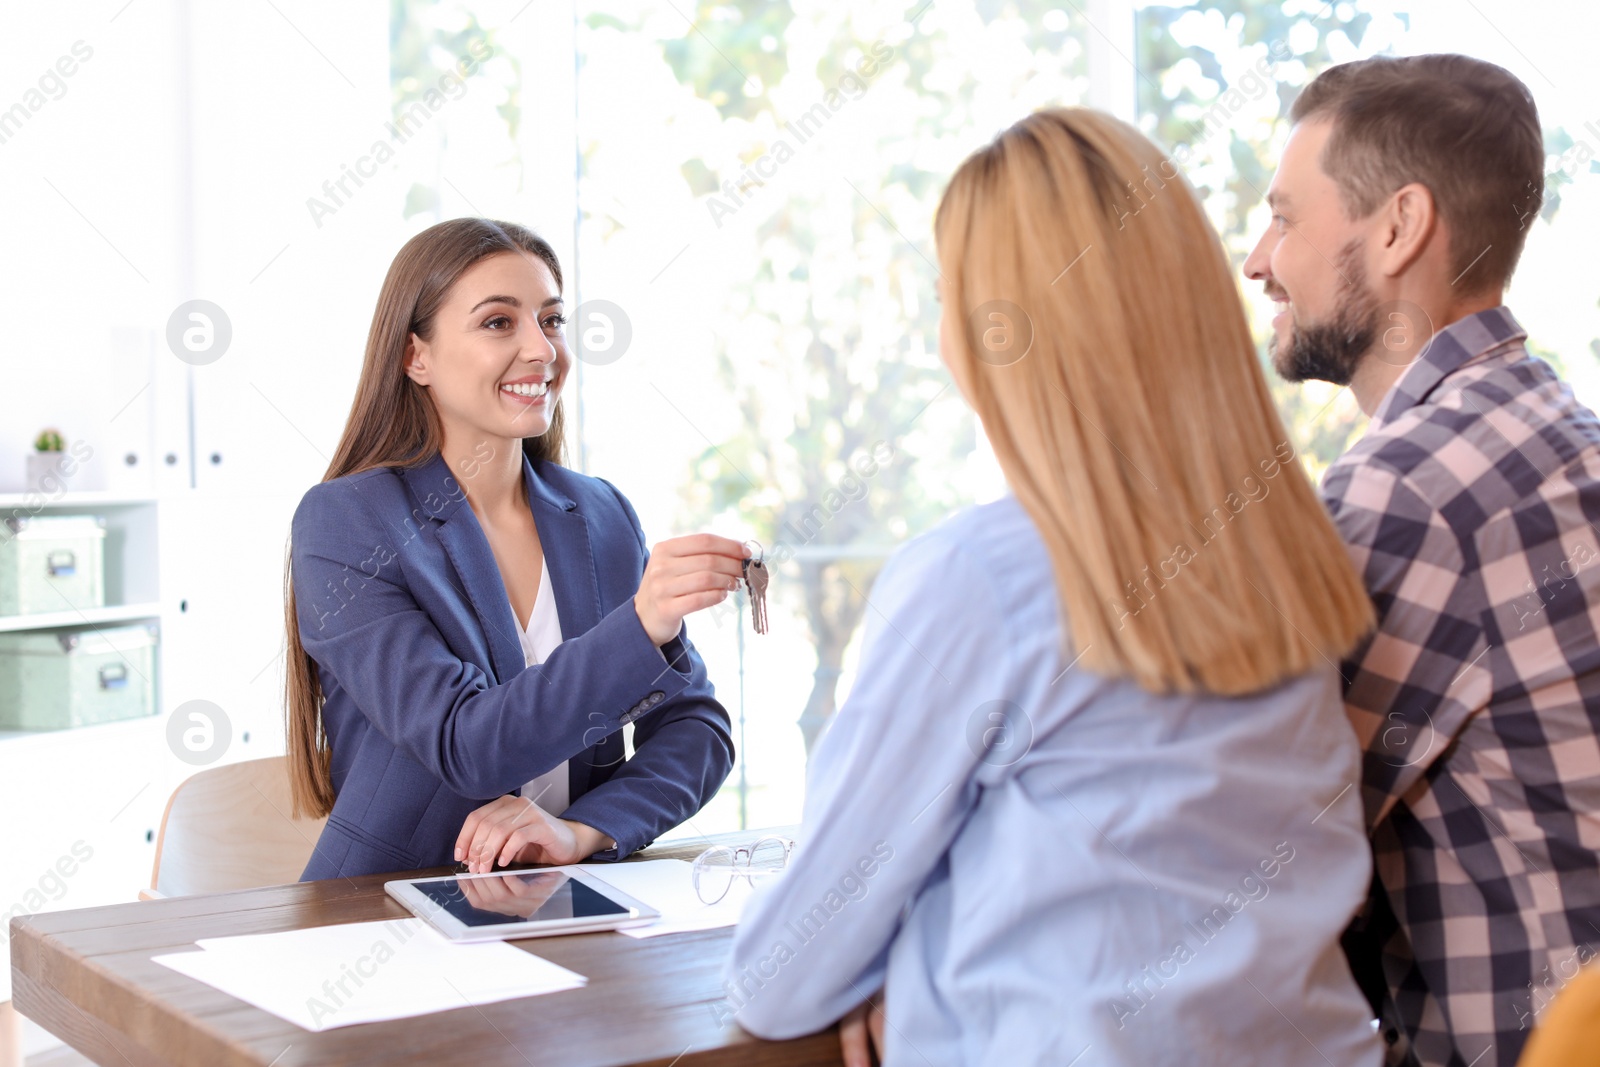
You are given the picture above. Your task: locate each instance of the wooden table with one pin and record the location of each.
(87, 976)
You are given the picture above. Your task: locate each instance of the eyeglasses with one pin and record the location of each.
(716, 867)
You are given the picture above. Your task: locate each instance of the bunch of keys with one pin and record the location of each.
(755, 580)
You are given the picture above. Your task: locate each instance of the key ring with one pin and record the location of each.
(756, 577)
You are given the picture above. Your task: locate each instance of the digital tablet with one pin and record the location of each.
(541, 902)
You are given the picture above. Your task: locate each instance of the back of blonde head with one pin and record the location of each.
(1190, 551)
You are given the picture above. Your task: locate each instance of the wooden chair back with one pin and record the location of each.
(230, 828)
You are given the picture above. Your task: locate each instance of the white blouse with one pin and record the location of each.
(540, 636)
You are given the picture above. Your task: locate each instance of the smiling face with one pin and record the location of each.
(1312, 263)
(496, 359)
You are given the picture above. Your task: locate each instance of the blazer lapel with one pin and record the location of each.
(563, 533)
(574, 579)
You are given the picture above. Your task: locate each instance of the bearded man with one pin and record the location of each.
(1400, 208)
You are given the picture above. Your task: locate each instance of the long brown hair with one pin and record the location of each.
(393, 423)
(1190, 551)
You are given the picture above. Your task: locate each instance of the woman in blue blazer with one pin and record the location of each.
(471, 623)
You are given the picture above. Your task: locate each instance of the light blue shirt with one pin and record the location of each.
(1051, 867)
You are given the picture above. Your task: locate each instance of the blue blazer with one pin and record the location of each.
(429, 706)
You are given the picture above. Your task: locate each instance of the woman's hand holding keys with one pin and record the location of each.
(685, 574)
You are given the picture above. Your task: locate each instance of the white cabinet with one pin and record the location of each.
(80, 809)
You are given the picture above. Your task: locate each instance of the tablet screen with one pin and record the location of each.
(517, 897)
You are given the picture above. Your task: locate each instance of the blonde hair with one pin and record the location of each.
(1128, 409)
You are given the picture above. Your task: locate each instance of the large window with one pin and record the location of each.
(757, 188)
(755, 263)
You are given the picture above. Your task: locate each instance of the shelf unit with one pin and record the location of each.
(85, 617)
(132, 561)
(79, 500)
(103, 787)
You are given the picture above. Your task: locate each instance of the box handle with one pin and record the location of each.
(113, 676)
(63, 563)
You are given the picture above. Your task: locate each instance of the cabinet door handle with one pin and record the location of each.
(62, 563)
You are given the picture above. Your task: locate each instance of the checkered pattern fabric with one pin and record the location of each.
(1470, 507)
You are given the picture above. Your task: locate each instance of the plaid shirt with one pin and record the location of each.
(1469, 506)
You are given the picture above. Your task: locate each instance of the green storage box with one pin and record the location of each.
(54, 679)
(52, 563)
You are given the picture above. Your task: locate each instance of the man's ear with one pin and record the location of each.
(1409, 225)
(416, 360)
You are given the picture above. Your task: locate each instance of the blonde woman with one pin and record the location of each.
(1091, 798)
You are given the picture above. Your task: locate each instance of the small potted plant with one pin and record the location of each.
(46, 463)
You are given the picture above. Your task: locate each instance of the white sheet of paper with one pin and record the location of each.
(331, 976)
(668, 887)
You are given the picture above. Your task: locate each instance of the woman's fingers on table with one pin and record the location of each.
(853, 1038)
(513, 831)
(542, 840)
(875, 1020)
(861, 1033)
(469, 828)
(497, 831)
(474, 829)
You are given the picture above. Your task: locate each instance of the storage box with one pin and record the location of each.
(54, 679)
(52, 563)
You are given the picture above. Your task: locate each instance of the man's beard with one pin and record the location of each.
(1331, 351)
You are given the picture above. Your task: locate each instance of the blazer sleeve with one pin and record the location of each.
(481, 739)
(683, 751)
